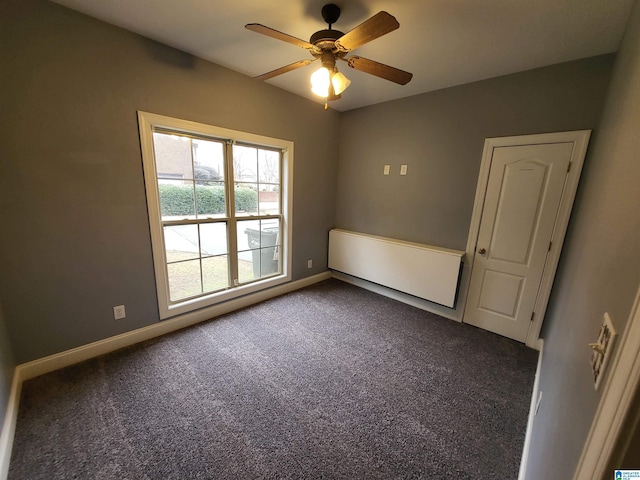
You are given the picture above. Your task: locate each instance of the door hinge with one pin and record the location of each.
(532, 315)
(569, 167)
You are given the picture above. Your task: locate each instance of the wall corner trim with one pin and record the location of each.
(9, 424)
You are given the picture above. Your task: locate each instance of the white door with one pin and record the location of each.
(521, 204)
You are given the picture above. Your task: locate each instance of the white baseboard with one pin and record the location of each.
(532, 413)
(101, 347)
(9, 424)
(60, 360)
(441, 310)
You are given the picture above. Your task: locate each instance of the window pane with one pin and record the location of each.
(246, 268)
(246, 198)
(184, 279)
(208, 160)
(269, 166)
(246, 272)
(269, 230)
(270, 248)
(248, 234)
(258, 247)
(173, 155)
(210, 199)
(245, 164)
(215, 273)
(213, 239)
(269, 182)
(176, 199)
(181, 242)
(248, 250)
(269, 200)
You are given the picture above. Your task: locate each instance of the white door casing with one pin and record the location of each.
(523, 201)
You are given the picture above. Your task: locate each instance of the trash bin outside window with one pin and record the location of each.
(264, 250)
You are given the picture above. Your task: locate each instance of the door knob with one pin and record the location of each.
(482, 251)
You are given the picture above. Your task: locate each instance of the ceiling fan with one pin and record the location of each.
(330, 45)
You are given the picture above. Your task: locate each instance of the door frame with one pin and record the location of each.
(580, 139)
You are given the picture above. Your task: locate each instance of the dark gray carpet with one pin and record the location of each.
(328, 382)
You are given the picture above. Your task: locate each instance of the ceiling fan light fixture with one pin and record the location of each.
(323, 78)
(340, 82)
(320, 81)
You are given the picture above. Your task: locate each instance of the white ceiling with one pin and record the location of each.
(442, 42)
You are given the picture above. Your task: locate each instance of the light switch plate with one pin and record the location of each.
(403, 169)
(602, 350)
(387, 168)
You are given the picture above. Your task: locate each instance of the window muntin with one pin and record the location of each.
(205, 251)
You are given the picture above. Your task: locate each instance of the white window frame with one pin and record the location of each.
(147, 123)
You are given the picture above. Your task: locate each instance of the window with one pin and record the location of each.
(219, 209)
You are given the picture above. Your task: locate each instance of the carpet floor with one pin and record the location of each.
(331, 381)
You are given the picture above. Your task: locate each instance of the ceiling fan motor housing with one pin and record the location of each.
(325, 39)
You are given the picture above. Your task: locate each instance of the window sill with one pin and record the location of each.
(221, 297)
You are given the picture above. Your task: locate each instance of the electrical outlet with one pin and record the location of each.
(309, 263)
(119, 312)
(602, 350)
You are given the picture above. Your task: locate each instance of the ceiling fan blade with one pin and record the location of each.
(379, 70)
(378, 25)
(270, 32)
(285, 69)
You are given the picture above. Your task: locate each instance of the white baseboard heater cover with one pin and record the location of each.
(421, 270)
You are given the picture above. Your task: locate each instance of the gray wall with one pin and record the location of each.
(7, 366)
(75, 236)
(440, 136)
(599, 272)
(75, 239)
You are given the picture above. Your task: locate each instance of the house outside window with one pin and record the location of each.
(219, 206)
